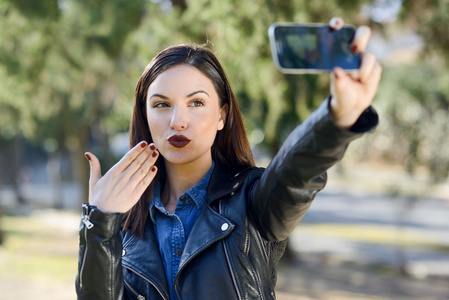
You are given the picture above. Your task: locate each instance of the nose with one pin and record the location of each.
(179, 119)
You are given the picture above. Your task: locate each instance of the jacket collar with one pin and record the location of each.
(224, 181)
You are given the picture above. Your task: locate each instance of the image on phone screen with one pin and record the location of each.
(312, 48)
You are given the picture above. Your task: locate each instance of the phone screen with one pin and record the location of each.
(313, 48)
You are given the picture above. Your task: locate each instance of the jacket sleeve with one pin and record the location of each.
(99, 264)
(286, 189)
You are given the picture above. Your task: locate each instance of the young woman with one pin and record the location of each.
(185, 214)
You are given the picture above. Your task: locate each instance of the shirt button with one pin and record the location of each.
(123, 252)
(224, 227)
(183, 198)
(178, 252)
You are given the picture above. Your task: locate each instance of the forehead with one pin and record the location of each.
(181, 77)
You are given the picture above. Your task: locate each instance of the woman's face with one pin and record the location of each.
(184, 115)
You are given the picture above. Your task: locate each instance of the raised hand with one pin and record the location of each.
(353, 93)
(123, 185)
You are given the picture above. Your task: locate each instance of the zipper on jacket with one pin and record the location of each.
(87, 222)
(88, 225)
(229, 261)
(139, 297)
(146, 279)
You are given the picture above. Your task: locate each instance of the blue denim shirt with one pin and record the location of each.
(172, 230)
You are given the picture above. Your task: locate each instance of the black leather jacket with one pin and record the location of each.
(239, 236)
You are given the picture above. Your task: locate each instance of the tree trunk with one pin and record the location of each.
(14, 166)
(81, 165)
(54, 175)
(181, 4)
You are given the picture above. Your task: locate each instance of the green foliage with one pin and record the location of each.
(45, 9)
(430, 18)
(415, 117)
(413, 97)
(68, 68)
(86, 54)
(64, 64)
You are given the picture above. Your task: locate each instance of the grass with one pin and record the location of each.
(38, 250)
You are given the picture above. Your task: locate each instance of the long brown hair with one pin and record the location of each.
(230, 150)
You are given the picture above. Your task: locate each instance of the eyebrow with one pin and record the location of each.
(189, 95)
(197, 92)
(159, 96)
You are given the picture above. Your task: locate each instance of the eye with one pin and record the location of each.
(197, 103)
(160, 104)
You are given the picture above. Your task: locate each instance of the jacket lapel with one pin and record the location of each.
(208, 228)
(211, 226)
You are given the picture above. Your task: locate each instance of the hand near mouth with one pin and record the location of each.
(123, 185)
(178, 140)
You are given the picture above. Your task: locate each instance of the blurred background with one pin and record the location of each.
(68, 70)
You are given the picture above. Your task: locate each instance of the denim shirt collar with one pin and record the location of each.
(198, 194)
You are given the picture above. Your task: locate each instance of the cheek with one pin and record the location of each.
(154, 127)
(213, 125)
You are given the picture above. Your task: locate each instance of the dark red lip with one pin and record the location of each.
(178, 141)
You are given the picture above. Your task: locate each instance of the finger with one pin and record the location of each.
(336, 23)
(131, 155)
(141, 160)
(366, 68)
(372, 82)
(95, 168)
(145, 181)
(340, 80)
(361, 38)
(144, 168)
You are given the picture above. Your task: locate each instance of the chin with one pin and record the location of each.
(185, 158)
(179, 158)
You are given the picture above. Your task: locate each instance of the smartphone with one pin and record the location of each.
(309, 48)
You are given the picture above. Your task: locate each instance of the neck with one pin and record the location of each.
(180, 179)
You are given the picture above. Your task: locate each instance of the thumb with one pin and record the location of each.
(95, 168)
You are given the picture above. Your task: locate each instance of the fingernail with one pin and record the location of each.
(335, 71)
(87, 156)
(153, 169)
(355, 48)
(154, 154)
(334, 22)
(152, 147)
(143, 144)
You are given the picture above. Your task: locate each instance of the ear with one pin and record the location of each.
(222, 117)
